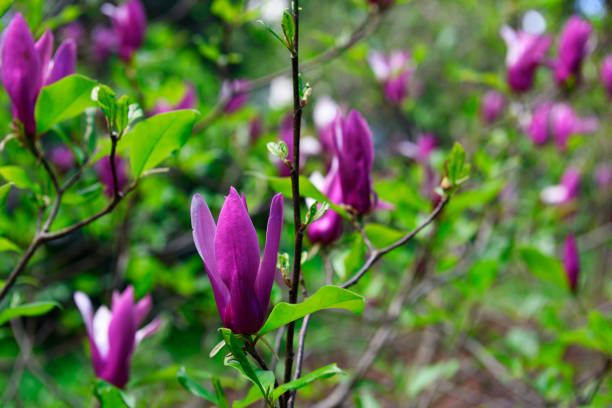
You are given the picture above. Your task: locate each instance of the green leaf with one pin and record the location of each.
(7, 245)
(153, 139)
(288, 29)
(328, 297)
(62, 100)
(381, 235)
(105, 98)
(278, 150)
(264, 380)
(315, 212)
(121, 117)
(271, 31)
(111, 397)
(544, 267)
(457, 170)
(220, 394)
(252, 396)
(194, 388)
(162, 375)
(318, 374)
(19, 177)
(4, 192)
(28, 309)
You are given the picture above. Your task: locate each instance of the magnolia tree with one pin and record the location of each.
(149, 156)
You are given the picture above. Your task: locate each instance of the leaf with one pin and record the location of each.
(288, 26)
(62, 100)
(381, 235)
(153, 139)
(111, 397)
(278, 150)
(194, 388)
(7, 245)
(28, 309)
(219, 392)
(239, 361)
(252, 396)
(4, 192)
(19, 177)
(161, 375)
(315, 212)
(457, 170)
(318, 374)
(271, 31)
(544, 267)
(328, 297)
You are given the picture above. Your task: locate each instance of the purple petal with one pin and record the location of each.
(142, 308)
(44, 48)
(204, 231)
(121, 338)
(190, 100)
(571, 262)
(64, 62)
(21, 72)
(84, 305)
(267, 269)
(148, 330)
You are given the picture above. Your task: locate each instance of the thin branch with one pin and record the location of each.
(300, 355)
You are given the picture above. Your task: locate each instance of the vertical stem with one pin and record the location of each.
(112, 164)
(295, 189)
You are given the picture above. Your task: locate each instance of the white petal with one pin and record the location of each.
(554, 194)
(101, 323)
(325, 111)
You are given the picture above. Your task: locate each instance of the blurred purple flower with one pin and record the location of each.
(130, 23)
(74, 31)
(420, 151)
(572, 49)
(236, 92)
(603, 175)
(328, 228)
(255, 129)
(189, 101)
(564, 192)
(492, 106)
(241, 283)
(104, 42)
(28, 66)
(105, 174)
(571, 262)
(113, 334)
(558, 121)
(355, 152)
(606, 73)
(394, 71)
(324, 114)
(526, 52)
(62, 157)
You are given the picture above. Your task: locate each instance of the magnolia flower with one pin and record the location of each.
(28, 66)
(526, 52)
(571, 262)
(113, 334)
(355, 151)
(606, 73)
(235, 93)
(558, 121)
(241, 282)
(572, 49)
(130, 24)
(62, 157)
(328, 228)
(564, 192)
(394, 71)
(105, 174)
(492, 106)
(189, 101)
(103, 43)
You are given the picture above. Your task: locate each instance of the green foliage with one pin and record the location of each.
(27, 309)
(111, 397)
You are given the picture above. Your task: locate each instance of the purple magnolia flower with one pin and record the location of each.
(606, 73)
(104, 43)
(571, 262)
(114, 334)
(526, 52)
(255, 129)
(355, 152)
(572, 49)
(62, 157)
(558, 121)
(492, 106)
(105, 174)
(189, 101)
(28, 66)
(564, 192)
(130, 24)
(73, 30)
(241, 283)
(236, 92)
(603, 175)
(328, 228)
(394, 71)
(420, 151)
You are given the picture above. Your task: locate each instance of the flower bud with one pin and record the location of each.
(236, 93)
(571, 262)
(62, 157)
(572, 49)
(526, 52)
(189, 101)
(395, 73)
(328, 228)
(241, 283)
(113, 334)
(558, 121)
(606, 73)
(130, 24)
(564, 192)
(355, 152)
(492, 106)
